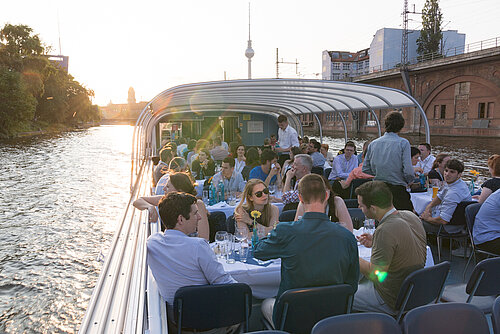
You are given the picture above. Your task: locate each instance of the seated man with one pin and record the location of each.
(454, 191)
(177, 260)
(318, 159)
(398, 249)
(219, 152)
(268, 169)
(426, 158)
(344, 163)
(302, 166)
(233, 181)
(486, 229)
(341, 187)
(313, 251)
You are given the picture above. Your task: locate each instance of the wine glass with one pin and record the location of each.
(369, 226)
(220, 242)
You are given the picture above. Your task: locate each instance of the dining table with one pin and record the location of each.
(421, 200)
(264, 277)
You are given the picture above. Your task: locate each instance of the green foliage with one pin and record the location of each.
(431, 34)
(34, 89)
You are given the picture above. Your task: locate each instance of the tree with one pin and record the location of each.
(17, 43)
(430, 35)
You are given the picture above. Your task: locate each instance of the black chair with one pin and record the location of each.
(421, 287)
(297, 310)
(317, 170)
(271, 331)
(351, 203)
(452, 318)
(287, 216)
(357, 217)
(217, 222)
(457, 219)
(356, 183)
(483, 283)
(327, 172)
(470, 217)
(204, 307)
(358, 323)
(495, 316)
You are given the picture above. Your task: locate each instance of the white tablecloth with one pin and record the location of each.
(265, 281)
(229, 209)
(420, 201)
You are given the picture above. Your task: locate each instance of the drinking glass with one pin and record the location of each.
(272, 188)
(220, 242)
(369, 226)
(206, 199)
(261, 231)
(230, 248)
(244, 249)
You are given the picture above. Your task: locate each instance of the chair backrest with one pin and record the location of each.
(327, 172)
(358, 323)
(317, 170)
(422, 287)
(485, 278)
(351, 203)
(204, 307)
(452, 318)
(470, 217)
(356, 183)
(270, 331)
(495, 316)
(458, 217)
(287, 216)
(357, 217)
(297, 310)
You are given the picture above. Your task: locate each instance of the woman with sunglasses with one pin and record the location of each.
(256, 197)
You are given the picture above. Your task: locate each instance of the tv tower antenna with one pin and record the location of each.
(249, 53)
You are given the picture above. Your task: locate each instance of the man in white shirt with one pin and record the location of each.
(177, 260)
(426, 158)
(287, 138)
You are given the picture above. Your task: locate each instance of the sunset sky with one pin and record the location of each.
(153, 45)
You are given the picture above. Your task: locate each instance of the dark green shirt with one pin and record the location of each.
(313, 251)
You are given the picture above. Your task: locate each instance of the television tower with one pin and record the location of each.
(249, 51)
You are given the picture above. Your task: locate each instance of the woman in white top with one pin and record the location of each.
(239, 160)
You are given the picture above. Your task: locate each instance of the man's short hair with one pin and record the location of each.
(172, 205)
(394, 122)
(316, 145)
(455, 164)
(428, 146)
(230, 161)
(312, 188)
(282, 118)
(494, 164)
(350, 143)
(267, 155)
(305, 160)
(375, 193)
(217, 141)
(414, 151)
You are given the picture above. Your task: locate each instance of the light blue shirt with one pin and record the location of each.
(235, 183)
(450, 195)
(318, 159)
(487, 223)
(342, 167)
(389, 159)
(177, 260)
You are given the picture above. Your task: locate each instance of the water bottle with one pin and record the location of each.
(221, 191)
(213, 194)
(422, 180)
(472, 187)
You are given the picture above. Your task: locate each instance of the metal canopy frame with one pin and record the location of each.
(290, 97)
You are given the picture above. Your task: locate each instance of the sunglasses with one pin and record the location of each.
(259, 193)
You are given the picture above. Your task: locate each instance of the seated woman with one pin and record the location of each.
(166, 155)
(436, 177)
(203, 166)
(335, 209)
(180, 182)
(256, 197)
(493, 184)
(240, 159)
(252, 161)
(287, 165)
(176, 165)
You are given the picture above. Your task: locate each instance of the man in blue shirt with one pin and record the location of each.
(389, 159)
(486, 229)
(313, 251)
(318, 159)
(268, 169)
(343, 164)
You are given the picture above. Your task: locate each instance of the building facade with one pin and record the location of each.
(343, 65)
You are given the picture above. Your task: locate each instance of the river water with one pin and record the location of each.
(60, 201)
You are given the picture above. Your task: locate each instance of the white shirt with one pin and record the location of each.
(426, 164)
(288, 138)
(177, 260)
(180, 149)
(238, 165)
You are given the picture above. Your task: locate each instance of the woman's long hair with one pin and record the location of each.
(179, 164)
(183, 183)
(247, 204)
(439, 159)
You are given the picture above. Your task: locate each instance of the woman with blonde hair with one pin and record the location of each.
(256, 197)
(179, 182)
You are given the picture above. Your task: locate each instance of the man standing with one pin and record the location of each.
(398, 248)
(302, 166)
(313, 250)
(218, 153)
(268, 169)
(344, 163)
(426, 158)
(314, 148)
(287, 138)
(389, 159)
(233, 181)
(447, 199)
(177, 260)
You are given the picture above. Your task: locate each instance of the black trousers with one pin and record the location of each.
(492, 246)
(401, 199)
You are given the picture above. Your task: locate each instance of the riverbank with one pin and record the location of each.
(50, 129)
